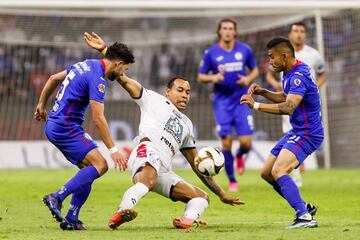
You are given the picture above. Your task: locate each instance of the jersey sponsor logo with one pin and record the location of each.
(238, 56)
(219, 58)
(233, 66)
(101, 88)
(141, 151)
(174, 127)
(297, 81)
(168, 143)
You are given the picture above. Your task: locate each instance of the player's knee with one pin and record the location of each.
(246, 146)
(226, 146)
(277, 172)
(265, 175)
(103, 168)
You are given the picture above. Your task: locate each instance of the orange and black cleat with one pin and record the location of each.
(187, 223)
(121, 217)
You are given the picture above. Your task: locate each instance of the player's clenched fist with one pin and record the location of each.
(119, 160)
(255, 89)
(40, 113)
(247, 99)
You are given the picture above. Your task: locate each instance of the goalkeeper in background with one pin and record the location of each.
(224, 64)
(310, 56)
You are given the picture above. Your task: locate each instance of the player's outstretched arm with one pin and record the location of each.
(94, 41)
(285, 108)
(97, 111)
(51, 85)
(190, 155)
(132, 86)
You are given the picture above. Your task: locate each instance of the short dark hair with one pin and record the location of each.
(120, 51)
(223, 20)
(297, 24)
(170, 83)
(281, 42)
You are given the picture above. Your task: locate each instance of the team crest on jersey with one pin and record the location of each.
(174, 128)
(297, 81)
(238, 56)
(101, 88)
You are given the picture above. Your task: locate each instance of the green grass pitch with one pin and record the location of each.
(265, 216)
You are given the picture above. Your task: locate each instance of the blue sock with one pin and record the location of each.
(78, 199)
(241, 151)
(229, 165)
(83, 176)
(291, 193)
(277, 188)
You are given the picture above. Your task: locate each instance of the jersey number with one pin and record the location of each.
(63, 86)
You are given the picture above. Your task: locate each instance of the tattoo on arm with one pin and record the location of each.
(287, 107)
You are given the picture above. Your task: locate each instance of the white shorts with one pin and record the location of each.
(146, 152)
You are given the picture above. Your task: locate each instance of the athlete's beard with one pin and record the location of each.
(113, 75)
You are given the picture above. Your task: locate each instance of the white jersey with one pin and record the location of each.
(313, 59)
(167, 128)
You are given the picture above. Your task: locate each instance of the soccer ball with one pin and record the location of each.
(209, 161)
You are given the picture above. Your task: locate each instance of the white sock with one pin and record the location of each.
(195, 207)
(133, 195)
(296, 176)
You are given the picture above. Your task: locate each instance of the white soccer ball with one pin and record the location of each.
(209, 161)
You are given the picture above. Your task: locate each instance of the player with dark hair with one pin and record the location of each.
(228, 60)
(163, 131)
(82, 84)
(310, 56)
(300, 99)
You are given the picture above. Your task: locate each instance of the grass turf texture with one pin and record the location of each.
(265, 216)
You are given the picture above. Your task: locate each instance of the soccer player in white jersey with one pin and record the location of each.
(308, 55)
(163, 132)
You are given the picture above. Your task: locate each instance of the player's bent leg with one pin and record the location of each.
(96, 159)
(266, 173)
(245, 145)
(144, 181)
(196, 202)
(226, 143)
(284, 164)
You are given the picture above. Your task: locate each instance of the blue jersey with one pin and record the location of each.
(306, 119)
(84, 82)
(234, 64)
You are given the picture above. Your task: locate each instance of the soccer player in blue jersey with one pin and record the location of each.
(228, 60)
(83, 84)
(300, 99)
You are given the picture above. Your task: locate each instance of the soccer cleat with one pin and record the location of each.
(121, 217)
(54, 206)
(312, 209)
(233, 187)
(66, 225)
(187, 223)
(304, 221)
(240, 165)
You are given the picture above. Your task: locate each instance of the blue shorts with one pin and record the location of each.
(240, 117)
(299, 145)
(71, 140)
